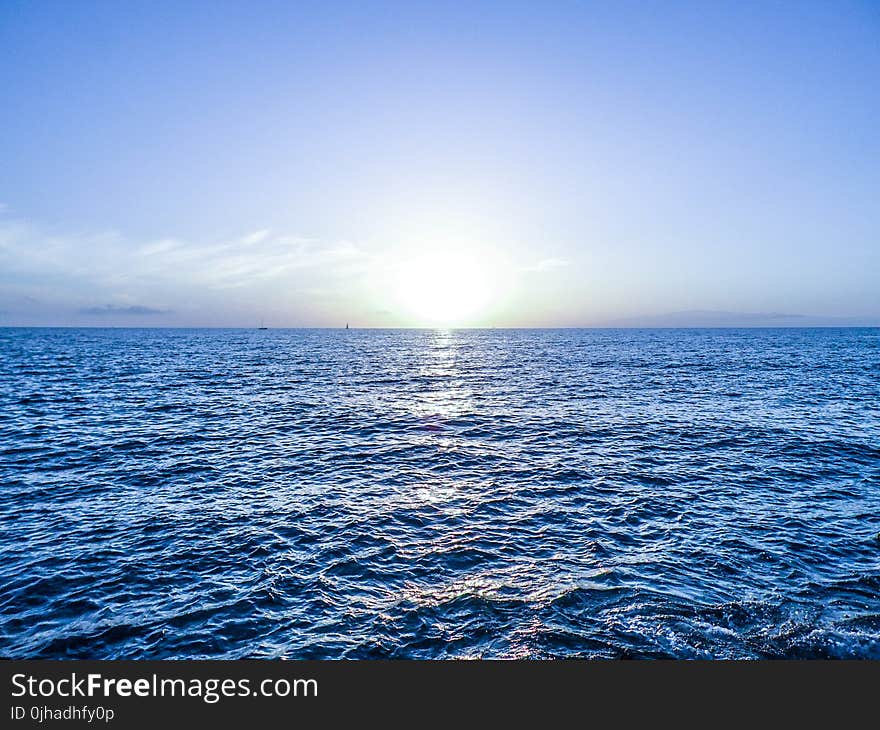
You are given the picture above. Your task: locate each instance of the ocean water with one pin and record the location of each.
(439, 494)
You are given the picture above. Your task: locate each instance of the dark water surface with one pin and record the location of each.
(503, 493)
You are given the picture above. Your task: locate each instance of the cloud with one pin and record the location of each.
(134, 310)
(209, 279)
(255, 237)
(115, 263)
(545, 265)
(161, 246)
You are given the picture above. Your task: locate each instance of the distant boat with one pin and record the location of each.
(262, 327)
(346, 325)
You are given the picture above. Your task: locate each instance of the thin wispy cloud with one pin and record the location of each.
(87, 270)
(255, 237)
(136, 310)
(546, 265)
(30, 248)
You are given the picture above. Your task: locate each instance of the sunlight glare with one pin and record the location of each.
(445, 288)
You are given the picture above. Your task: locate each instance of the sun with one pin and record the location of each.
(445, 288)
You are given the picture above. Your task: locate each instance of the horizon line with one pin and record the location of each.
(447, 328)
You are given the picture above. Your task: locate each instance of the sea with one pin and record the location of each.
(434, 494)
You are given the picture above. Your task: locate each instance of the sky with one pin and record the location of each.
(437, 164)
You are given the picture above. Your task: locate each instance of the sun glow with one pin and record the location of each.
(445, 289)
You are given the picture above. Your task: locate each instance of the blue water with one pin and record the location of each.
(496, 493)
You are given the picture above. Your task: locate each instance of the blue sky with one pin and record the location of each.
(539, 164)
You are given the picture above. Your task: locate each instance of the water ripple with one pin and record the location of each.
(554, 493)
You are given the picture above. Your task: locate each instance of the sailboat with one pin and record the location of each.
(262, 327)
(346, 325)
